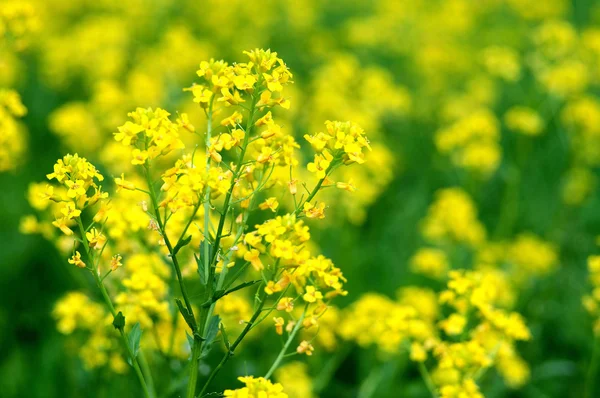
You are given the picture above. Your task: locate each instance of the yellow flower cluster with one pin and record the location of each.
(341, 142)
(12, 139)
(18, 21)
(452, 217)
(487, 335)
(431, 262)
(524, 120)
(294, 376)
(198, 219)
(285, 238)
(475, 336)
(150, 133)
(377, 320)
(459, 89)
(80, 180)
(472, 142)
(76, 312)
(531, 256)
(256, 388)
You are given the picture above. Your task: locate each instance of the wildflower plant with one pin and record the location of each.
(198, 204)
(195, 225)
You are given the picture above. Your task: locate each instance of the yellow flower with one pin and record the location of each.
(524, 120)
(346, 186)
(202, 95)
(70, 211)
(76, 188)
(256, 388)
(305, 348)
(417, 352)
(76, 260)
(253, 256)
(121, 183)
(96, 239)
(184, 122)
(244, 82)
(454, 325)
(230, 98)
(233, 120)
(270, 203)
(279, 322)
(313, 211)
(139, 157)
(61, 223)
(311, 295)
(115, 262)
(320, 165)
(431, 262)
(285, 303)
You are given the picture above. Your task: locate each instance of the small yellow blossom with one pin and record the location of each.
(311, 295)
(115, 262)
(96, 239)
(76, 260)
(305, 348)
(279, 322)
(271, 203)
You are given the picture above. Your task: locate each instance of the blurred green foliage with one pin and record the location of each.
(34, 361)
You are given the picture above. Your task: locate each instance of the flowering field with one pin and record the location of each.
(300, 198)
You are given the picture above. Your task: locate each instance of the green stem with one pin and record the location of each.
(373, 381)
(286, 346)
(148, 388)
(334, 163)
(592, 370)
(194, 361)
(197, 345)
(207, 195)
(239, 339)
(234, 177)
(174, 260)
(206, 312)
(311, 196)
(427, 379)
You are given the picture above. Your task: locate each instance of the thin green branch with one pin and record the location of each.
(286, 346)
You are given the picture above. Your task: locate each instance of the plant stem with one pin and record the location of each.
(207, 195)
(234, 177)
(197, 345)
(206, 312)
(291, 336)
(174, 260)
(369, 387)
(194, 361)
(427, 379)
(592, 370)
(317, 187)
(311, 196)
(148, 388)
(233, 346)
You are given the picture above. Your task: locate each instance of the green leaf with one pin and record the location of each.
(240, 286)
(133, 339)
(190, 340)
(211, 333)
(187, 316)
(220, 293)
(205, 255)
(201, 270)
(181, 244)
(119, 321)
(225, 337)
